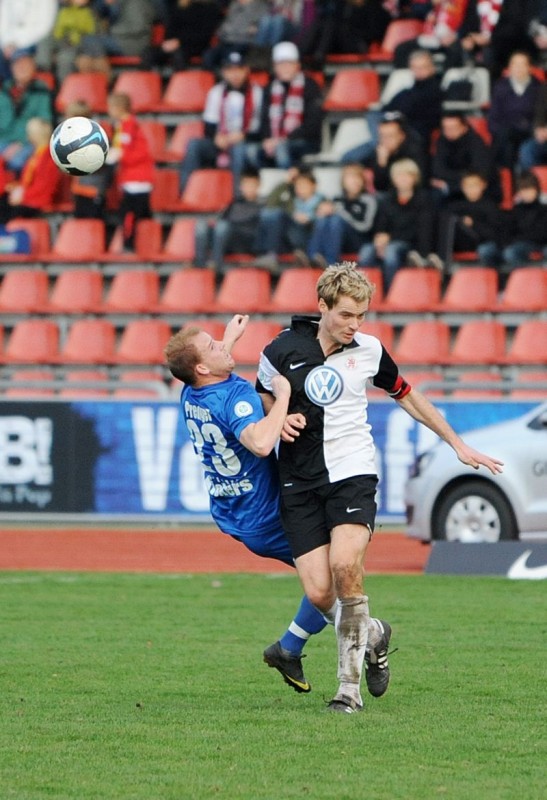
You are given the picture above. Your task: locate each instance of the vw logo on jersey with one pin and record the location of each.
(323, 385)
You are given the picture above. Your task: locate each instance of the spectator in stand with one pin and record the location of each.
(527, 225)
(238, 31)
(23, 25)
(40, 177)
(129, 25)
(231, 118)
(459, 150)
(343, 26)
(75, 19)
(22, 98)
(533, 151)
(189, 30)
(134, 166)
(344, 224)
(281, 23)
(511, 114)
(474, 223)
(395, 142)
(446, 24)
(292, 114)
(404, 224)
(235, 231)
(281, 231)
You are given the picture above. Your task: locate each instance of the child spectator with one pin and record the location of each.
(40, 177)
(404, 223)
(130, 153)
(474, 223)
(282, 231)
(527, 229)
(343, 225)
(235, 231)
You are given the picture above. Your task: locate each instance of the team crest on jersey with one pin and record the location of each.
(323, 385)
(351, 363)
(243, 409)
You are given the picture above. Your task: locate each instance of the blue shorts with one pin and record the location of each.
(272, 544)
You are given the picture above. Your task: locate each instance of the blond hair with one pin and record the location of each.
(182, 355)
(344, 280)
(408, 166)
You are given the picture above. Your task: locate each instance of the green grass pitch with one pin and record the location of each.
(152, 687)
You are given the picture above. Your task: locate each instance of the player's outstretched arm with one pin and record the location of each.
(235, 330)
(420, 408)
(261, 437)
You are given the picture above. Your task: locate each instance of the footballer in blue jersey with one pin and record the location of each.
(235, 441)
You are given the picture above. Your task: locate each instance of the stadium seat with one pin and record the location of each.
(418, 378)
(143, 341)
(349, 133)
(186, 91)
(180, 243)
(30, 376)
(398, 31)
(92, 377)
(478, 77)
(207, 191)
(156, 136)
(89, 341)
(529, 345)
(166, 191)
(492, 386)
(89, 86)
(376, 277)
(152, 385)
(211, 326)
(413, 290)
(397, 81)
(142, 86)
(295, 291)
(353, 90)
(39, 234)
(480, 126)
(530, 393)
(424, 342)
(133, 291)
(63, 199)
(479, 341)
(244, 290)
(257, 335)
(382, 330)
(76, 291)
(79, 240)
(506, 185)
(33, 341)
(188, 291)
(471, 289)
(525, 290)
(175, 149)
(148, 236)
(23, 291)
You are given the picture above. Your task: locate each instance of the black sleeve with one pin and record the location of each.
(388, 377)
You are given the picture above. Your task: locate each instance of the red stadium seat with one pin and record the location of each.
(526, 290)
(244, 290)
(296, 291)
(413, 290)
(148, 236)
(79, 240)
(186, 91)
(189, 291)
(180, 243)
(207, 191)
(152, 385)
(33, 341)
(143, 341)
(77, 291)
(211, 326)
(89, 341)
(257, 335)
(424, 342)
(418, 378)
(532, 377)
(30, 376)
(471, 289)
(175, 150)
(133, 291)
(529, 345)
(23, 291)
(38, 231)
(142, 86)
(91, 377)
(376, 277)
(479, 342)
(382, 330)
(353, 90)
(398, 31)
(89, 86)
(491, 387)
(166, 191)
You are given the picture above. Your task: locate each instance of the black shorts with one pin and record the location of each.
(309, 516)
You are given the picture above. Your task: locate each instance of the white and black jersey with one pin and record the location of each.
(331, 393)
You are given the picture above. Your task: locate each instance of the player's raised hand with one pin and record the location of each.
(235, 330)
(294, 423)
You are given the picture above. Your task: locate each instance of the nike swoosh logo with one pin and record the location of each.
(351, 510)
(519, 569)
(298, 364)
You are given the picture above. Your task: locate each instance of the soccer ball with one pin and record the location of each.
(79, 146)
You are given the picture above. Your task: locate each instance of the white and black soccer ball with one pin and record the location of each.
(79, 146)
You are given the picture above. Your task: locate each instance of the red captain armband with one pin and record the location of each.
(400, 389)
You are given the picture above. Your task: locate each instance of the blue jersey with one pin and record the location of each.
(243, 488)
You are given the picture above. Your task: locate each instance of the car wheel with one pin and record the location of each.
(474, 512)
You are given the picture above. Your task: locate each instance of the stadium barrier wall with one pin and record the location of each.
(134, 460)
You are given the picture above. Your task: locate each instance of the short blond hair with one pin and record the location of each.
(344, 280)
(182, 355)
(406, 165)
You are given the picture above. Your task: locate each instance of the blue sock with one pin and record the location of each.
(308, 620)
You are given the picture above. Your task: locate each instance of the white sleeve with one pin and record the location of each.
(211, 113)
(266, 372)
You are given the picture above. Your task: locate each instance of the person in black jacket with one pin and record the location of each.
(290, 125)
(527, 223)
(404, 222)
(459, 150)
(188, 32)
(422, 102)
(474, 223)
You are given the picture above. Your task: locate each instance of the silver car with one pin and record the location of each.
(447, 500)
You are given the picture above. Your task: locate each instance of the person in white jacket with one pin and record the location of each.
(23, 24)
